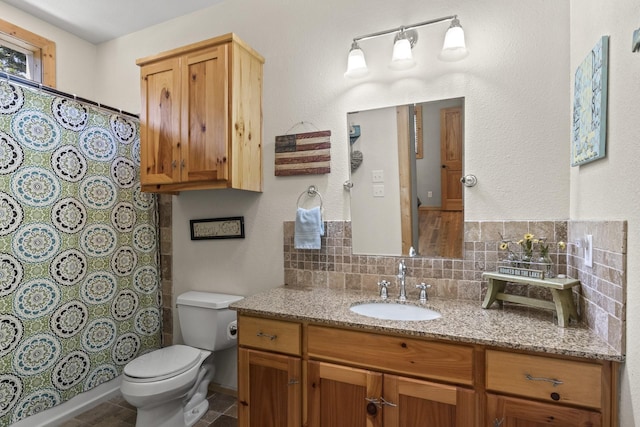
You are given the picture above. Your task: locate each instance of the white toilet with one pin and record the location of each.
(169, 386)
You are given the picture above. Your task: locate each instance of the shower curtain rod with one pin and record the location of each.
(36, 85)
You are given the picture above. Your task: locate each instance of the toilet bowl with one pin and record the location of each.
(169, 386)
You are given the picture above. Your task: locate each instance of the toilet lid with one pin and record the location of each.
(163, 363)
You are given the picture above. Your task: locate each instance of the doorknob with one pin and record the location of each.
(469, 180)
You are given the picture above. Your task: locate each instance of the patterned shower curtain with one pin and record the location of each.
(79, 276)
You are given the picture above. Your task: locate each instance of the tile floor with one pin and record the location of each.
(118, 413)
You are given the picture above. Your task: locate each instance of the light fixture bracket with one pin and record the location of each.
(411, 35)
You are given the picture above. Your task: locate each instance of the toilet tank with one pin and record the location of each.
(204, 318)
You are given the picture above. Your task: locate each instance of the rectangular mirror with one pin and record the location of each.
(406, 165)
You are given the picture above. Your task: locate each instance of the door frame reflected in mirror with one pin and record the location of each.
(442, 227)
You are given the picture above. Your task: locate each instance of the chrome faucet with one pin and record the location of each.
(402, 274)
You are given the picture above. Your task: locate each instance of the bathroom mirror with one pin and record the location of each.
(406, 165)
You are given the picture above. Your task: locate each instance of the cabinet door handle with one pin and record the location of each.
(293, 381)
(386, 402)
(174, 164)
(551, 380)
(271, 337)
(497, 422)
(373, 401)
(182, 164)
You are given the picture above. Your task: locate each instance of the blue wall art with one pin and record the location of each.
(590, 106)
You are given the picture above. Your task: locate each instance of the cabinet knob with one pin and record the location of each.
(174, 164)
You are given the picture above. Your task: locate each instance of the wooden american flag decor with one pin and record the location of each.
(303, 153)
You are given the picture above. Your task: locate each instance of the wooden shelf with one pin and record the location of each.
(561, 290)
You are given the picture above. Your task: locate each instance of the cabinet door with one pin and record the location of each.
(511, 412)
(160, 123)
(205, 115)
(415, 403)
(339, 396)
(269, 389)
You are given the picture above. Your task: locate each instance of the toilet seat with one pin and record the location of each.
(163, 363)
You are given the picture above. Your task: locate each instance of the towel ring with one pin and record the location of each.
(312, 191)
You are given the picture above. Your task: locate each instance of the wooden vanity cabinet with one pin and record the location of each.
(398, 392)
(345, 396)
(527, 390)
(294, 373)
(269, 373)
(201, 117)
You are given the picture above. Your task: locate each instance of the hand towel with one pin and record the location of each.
(308, 228)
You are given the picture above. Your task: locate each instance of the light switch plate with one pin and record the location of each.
(377, 175)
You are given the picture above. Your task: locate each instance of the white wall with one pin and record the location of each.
(377, 230)
(606, 189)
(75, 58)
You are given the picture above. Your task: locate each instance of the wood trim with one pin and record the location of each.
(40, 45)
(419, 131)
(404, 167)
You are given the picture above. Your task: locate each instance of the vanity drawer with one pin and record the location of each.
(272, 335)
(410, 356)
(565, 381)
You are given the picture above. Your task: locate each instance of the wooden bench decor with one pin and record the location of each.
(561, 290)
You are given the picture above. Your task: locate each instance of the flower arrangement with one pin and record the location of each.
(530, 252)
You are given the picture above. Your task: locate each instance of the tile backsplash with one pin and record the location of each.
(601, 298)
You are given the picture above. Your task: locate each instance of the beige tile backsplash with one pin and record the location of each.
(601, 298)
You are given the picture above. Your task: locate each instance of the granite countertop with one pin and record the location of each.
(512, 327)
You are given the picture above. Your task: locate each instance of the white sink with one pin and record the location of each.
(393, 311)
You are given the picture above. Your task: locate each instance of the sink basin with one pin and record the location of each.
(392, 311)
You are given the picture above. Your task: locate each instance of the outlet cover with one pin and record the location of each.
(378, 190)
(429, 194)
(588, 250)
(377, 175)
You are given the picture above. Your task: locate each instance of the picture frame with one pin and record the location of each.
(217, 228)
(589, 133)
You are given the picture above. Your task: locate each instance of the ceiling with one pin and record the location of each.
(97, 21)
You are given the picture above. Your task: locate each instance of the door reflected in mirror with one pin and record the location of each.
(406, 164)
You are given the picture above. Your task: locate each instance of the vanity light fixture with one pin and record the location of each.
(453, 49)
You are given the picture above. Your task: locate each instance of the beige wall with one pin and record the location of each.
(75, 58)
(607, 188)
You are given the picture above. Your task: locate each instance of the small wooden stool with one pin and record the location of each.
(560, 289)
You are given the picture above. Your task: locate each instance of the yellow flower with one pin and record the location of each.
(504, 246)
(562, 245)
(528, 236)
(520, 241)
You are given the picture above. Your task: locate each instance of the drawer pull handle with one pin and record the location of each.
(551, 380)
(271, 337)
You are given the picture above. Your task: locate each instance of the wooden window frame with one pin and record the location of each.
(44, 48)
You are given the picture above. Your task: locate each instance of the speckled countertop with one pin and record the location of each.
(461, 321)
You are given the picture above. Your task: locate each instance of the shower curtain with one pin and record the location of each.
(79, 276)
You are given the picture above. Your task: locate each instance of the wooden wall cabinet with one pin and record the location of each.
(318, 376)
(201, 117)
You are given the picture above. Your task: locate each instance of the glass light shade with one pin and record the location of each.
(402, 57)
(454, 47)
(356, 64)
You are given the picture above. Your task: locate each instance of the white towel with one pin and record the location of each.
(308, 229)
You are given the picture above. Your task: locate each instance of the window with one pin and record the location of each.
(26, 54)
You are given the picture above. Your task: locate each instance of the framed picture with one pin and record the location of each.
(217, 228)
(590, 106)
